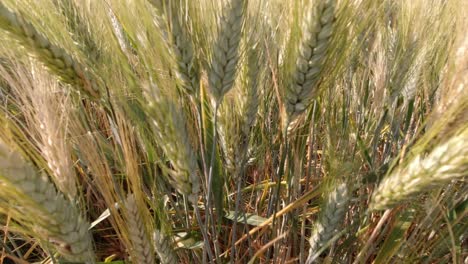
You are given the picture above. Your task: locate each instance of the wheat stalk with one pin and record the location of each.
(56, 59)
(317, 29)
(446, 162)
(332, 216)
(141, 246)
(164, 247)
(35, 201)
(225, 56)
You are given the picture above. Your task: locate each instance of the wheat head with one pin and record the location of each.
(171, 132)
(179, 43)
(56, 59)
(44, 211)
(141, 246)
(330, 220)
(446, 162)
(225, 58)
(164, 248)
(317, 29)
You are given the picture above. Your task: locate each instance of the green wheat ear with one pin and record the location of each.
(34, 200)
(317, 29)
(446, 162)
(141, 245)
(332, 216)
(56, 59)
(223, 66)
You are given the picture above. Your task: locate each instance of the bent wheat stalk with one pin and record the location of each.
(446, 162)
(34, 201)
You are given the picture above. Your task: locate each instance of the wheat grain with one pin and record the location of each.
(141, 246)
(164, 248)
(446, 162)
(223, 65)
(330, 220)
(46, 212)
(316, 32)
(56, 59)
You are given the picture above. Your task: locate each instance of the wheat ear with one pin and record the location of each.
(56, 59)
(43, 210)
(170, 129)
(141, 246)
(317, 29)
(225, 56)
(446, 162)
(164, 247)
(237, 117)
(330, 220)
(180, 45)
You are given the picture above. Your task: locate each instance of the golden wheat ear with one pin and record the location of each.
(35, 203)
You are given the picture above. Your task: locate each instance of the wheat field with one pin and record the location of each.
(233, 131)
